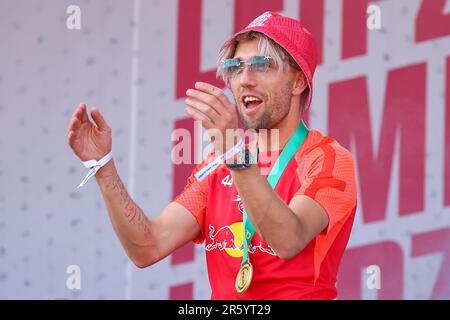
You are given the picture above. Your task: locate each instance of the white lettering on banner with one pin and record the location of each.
(73, 281)
(374, 279)
(374, 17)
(73, 22)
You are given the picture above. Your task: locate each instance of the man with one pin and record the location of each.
(276, 230)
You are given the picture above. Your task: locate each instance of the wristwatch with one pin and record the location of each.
(243, 160)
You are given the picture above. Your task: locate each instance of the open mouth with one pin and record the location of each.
(250, 102)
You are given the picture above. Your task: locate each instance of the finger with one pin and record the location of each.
(215, 91)
(99, 120)
(208, 99)
(205, 122)
(74, 124)
(74, 127)
(71, 138)
(82, 112)
(204, 108)
(77, 113)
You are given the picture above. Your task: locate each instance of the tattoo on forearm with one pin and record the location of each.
(132, 212)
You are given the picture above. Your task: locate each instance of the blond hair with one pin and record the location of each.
(266, 46)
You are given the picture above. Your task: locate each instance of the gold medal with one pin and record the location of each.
(244, 277)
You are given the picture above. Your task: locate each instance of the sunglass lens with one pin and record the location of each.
(259, 63)
(231, 66)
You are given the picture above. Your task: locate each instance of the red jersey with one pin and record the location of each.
(322, 170)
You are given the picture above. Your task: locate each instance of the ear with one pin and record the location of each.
(300, 84)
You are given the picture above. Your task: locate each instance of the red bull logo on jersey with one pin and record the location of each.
(230, 240)
(240, 206)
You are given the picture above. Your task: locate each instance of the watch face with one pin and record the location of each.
(242, 162)
(243, 157)
(238, 166)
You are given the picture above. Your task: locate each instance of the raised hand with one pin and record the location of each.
(209, 105)
(89, 141)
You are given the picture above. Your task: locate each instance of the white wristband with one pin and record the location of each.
(204, 172)
(94, 165)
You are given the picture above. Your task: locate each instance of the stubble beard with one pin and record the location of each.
(274, 111)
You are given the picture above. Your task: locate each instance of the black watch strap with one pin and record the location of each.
(243, 161)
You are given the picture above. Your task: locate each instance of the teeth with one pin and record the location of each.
(250, 99)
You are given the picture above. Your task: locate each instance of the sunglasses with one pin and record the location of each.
(233, 67)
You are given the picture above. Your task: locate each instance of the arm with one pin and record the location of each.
(145, 241)
(286, 228)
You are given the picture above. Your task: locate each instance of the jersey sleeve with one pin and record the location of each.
(194, 197)
(327, 175)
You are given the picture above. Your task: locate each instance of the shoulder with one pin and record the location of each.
(319, 147)
(326, 173)
(321, 154)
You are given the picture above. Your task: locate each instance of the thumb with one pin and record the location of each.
(98, 119)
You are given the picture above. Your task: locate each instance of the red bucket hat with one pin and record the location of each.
(293, 37)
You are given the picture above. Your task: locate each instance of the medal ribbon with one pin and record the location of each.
(274, 176)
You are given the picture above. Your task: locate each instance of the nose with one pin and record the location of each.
(247, 78)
